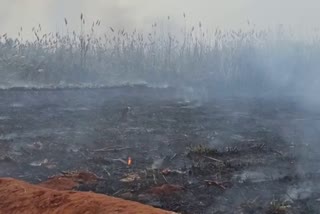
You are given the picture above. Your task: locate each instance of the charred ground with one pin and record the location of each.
(226, 155)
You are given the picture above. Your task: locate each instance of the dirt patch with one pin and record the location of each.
(69, 180)
(20, 197)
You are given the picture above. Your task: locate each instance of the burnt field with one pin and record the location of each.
(225, 155)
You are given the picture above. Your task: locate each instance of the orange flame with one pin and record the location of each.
(129, 161)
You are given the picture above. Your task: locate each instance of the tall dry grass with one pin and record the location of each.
(237, 59)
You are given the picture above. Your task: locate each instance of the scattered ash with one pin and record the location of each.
(235, 155)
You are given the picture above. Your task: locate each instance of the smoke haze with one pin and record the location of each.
(141, 13)
(245, 48)
(285, 65)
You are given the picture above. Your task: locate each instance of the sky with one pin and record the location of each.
(50, 14)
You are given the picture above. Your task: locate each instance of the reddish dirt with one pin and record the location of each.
(70, 180)
(60, 183)
(20, 197)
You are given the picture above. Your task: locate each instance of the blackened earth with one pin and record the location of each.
(228, 154)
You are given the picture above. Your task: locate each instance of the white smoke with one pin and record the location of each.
(141, 13)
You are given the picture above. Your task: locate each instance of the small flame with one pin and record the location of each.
(129, 161)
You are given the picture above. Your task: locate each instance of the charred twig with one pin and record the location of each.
(165, 178)
(82, 154)
(62, 172)
(277, 152)
(77, 174)
(169, 171)
(117, 192)
(154, 179)
(174, 156)
(254, 200)
(120, 160)
(215, 183)
(213, 159)
(106, 171)
(258, 146)
(107, 160)
(250, 140)
(108, 149)
(102, 149)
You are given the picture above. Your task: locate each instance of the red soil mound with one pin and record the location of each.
(20, 197)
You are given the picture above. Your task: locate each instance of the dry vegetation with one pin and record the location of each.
(246, 59)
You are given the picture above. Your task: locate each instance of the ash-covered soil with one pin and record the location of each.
(225, 155)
